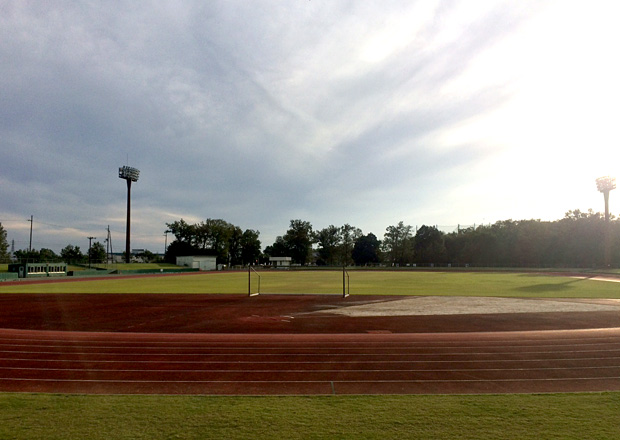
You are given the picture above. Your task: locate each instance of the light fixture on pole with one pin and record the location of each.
(166, 241)
(604, 185)
(130, 175)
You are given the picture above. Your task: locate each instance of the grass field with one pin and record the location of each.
(361, 282)
(555, 416)
(560, 416)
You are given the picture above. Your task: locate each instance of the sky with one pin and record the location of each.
(258, 112)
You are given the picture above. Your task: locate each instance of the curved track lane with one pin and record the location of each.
(280, 364)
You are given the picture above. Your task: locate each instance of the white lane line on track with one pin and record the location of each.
(227, 343)
(299, 348)
(325, 355)
(421, 381)
(456, 370)
(512, 360)
(322, 347)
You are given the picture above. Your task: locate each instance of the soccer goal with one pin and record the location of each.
(253, 290)
(299, 281)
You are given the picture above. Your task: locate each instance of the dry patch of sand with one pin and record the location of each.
(609, 280)
(450, 305)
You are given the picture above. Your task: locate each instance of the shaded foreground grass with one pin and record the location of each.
(361, 282)
(561, 416)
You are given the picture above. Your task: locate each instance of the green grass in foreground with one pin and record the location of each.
(361, 283)
(553, 416)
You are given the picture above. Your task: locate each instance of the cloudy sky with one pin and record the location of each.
(259, 112)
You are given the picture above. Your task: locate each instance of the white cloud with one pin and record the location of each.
(334, 112)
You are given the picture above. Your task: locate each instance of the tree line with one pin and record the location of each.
(580, 240)
(228, 243)
(70, 254)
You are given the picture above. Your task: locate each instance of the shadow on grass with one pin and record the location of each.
(545, 288)
(555, 287)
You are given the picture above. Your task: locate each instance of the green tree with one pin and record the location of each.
(97, 253)
(429, 245)
(398, 244)
(48, 255)
(366, 250)
(72, 254)
(235, 247)
(582, 236)
(210, 237)
(215, 235)
(329, 240)
(4, 244)
(349, 235)
(250, 247)
(26, 256)
(179, 248)
(298, 240)
(279, 248)
(148, 256)
(182, 231)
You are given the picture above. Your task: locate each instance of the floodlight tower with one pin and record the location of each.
(130, 175)
(604, 185)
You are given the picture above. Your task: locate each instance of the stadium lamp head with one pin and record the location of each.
(129, 173)
(606, 183)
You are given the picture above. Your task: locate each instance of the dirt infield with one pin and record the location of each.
(306, 344)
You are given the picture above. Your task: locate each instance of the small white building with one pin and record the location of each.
(200, 262)
(280, 262)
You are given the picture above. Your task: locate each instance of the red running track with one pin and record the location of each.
(137, 363)
(369, 361)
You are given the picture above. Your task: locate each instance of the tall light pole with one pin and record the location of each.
(604, 185)
(130, 175)
(30, 246)
(166, 241)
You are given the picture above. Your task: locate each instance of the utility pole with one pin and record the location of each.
(90, 239)
(108, 247)
(30, 246)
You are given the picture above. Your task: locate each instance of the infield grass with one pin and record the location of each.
(330, 282)
(553, 416)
